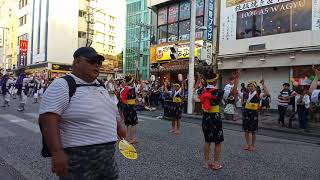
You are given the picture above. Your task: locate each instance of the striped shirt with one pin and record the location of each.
(89, 118)
(283, 97)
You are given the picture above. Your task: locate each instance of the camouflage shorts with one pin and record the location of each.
(93, 162)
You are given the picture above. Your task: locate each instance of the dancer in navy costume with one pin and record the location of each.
(176, 106)
(128, 98)
(211, 122)
(250, 113)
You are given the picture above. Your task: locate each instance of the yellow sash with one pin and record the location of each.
(131, 101)
(177, 100)
(252, 106)
(213, 109)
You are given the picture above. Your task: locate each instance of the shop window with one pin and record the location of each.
(248, 26)
(173, 32)
(173, 13)
(276, 23)
(23, 20)
(185, 10)
(162, 34)
(82, 34)
(82, 13)
(162, 16)
(22, 3)
(184, 30)
(199, 23)
(290, 16)
(301, 17)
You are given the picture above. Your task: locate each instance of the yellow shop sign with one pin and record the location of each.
(163, 52)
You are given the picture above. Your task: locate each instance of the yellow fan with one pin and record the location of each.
(127, 150)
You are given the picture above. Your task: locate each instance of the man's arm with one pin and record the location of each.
(50, 130)
(315, 80)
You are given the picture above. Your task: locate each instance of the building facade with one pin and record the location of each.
(57, 31)
(172, 20)
(8, 34)
(276, 40)
(136, 51)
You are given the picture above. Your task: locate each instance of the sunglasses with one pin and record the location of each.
(92, 62)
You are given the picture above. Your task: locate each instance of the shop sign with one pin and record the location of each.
(153, 54)
(210, 20)
(22, 60)
(23, 46)
(163, 52)
(209, 53)
(61, 67)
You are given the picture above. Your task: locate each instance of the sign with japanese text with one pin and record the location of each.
(163, 52)
(210, 20)
(242, 19)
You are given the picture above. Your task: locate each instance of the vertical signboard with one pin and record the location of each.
(210, 20)
(23, 49)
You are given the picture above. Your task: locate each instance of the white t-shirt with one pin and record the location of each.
(315, 97)
(89, 118)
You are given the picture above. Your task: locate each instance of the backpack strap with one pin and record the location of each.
(72, 85)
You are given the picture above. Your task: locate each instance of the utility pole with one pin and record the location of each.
(191, 60)
(137, 61)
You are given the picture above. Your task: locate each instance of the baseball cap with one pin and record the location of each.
(88, 52)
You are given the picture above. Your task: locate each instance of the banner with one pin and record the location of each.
(242, 19)
(163, 52)
(153, 54)
(210, 20)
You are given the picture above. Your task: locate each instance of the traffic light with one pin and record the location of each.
(174, 52)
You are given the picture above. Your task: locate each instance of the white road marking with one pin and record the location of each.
(21, 122)
(33, 115)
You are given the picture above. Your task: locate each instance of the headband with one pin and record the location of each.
(214, 79)
(178, 85)
(129, 82)
(253, 83)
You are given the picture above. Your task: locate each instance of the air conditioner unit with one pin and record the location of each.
(257, 47)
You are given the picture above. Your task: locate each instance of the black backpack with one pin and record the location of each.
(72, 89)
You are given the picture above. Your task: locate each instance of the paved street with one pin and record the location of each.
(166, 156)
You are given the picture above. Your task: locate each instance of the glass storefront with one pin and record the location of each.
(279, 18)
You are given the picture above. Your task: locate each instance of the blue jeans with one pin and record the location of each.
(303, 116)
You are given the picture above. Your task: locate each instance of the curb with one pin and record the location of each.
(239, 124)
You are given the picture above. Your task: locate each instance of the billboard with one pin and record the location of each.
(163, 52)
(241, 19)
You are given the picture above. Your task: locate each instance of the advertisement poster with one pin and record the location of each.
(199, 7)
(162, 16)
(185, 10)
(242, 19)
(173, 13)
(163, 52)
